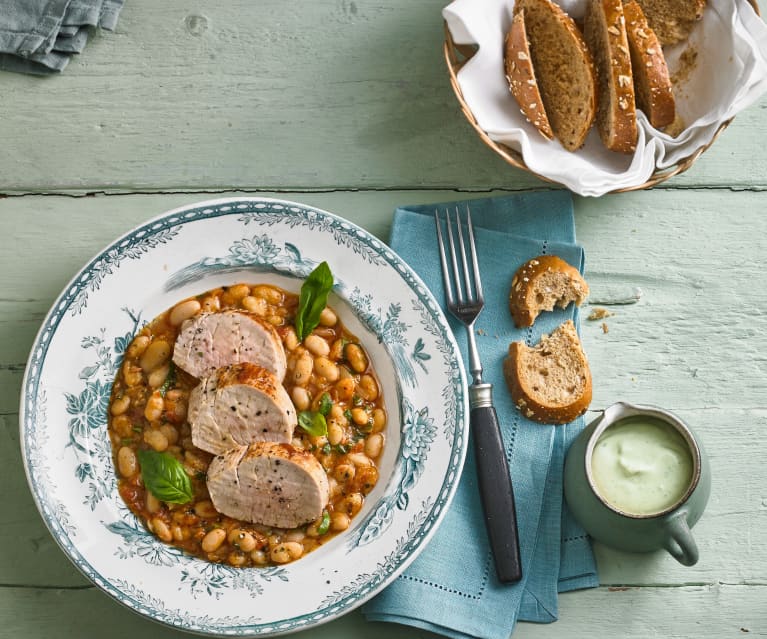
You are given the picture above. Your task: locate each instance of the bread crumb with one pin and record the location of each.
(687, 63)
(599, 313)
(605, 329)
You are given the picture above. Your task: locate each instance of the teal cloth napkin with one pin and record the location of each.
(451, 588)
(40, 36)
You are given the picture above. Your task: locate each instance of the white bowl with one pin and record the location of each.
(67, 452)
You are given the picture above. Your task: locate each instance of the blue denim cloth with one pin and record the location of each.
(451, 587)
(40, 36)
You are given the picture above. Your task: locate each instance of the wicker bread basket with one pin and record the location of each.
(456, 55)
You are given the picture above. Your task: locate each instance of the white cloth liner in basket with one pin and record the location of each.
(729, 74)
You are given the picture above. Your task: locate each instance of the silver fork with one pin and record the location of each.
(465, 301)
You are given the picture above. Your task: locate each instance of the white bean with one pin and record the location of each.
(120, 405)
(300, 398)
(213, 540)
(127, 463)
(255, 305)
(155, 355)
(374, 445)
(157, 377)
(325, 368)
(328, 317)
(302, 370)
(316, 345)
(183, 311)
(154, 407)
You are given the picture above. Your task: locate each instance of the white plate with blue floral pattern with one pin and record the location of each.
(66, 389)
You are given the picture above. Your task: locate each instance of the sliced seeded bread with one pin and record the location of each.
(542, 283)
(605, 33)
(672, 20)
(564, 70)
(521, 77)
(550, 382)
(652, 82)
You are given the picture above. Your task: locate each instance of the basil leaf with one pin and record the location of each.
(324, 524)
(313, 423)
(325, 404)
(164, 476)
(313, 298)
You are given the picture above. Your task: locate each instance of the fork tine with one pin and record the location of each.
(474, 260)
(464, 259)
(443, 261)
(453, 258)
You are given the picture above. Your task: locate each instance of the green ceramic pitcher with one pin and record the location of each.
(638, 479)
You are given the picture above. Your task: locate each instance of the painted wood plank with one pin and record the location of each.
(707, 286)
(323, 94)
(719, 611)
(730, 535)
(624, 238)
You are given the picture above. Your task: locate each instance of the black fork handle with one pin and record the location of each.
(496, 493)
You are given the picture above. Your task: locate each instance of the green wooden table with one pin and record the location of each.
(345, 104)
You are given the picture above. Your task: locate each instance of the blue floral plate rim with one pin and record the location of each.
(77, 352)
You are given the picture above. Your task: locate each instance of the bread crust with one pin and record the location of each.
(572, 35)
(605, 32)
(523, 305)
(649, 68)
(521, 76)
(528, 402)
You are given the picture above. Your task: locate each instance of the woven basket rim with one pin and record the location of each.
(457, 55)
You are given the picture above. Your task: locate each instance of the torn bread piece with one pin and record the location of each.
(550, 383)
(542, 283)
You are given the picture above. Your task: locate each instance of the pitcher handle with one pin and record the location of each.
(679, 540)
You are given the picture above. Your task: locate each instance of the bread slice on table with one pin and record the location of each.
(550, 383)
(605, 32)
(521, 76)
(672, 20)
(652, 82)
(563, 68)
(542, 283)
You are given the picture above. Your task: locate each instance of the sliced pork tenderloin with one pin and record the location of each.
(238, 405)
(210, 341)
(268, 483)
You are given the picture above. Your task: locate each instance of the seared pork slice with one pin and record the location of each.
(268, 483)
(210, 341)
(240, 404)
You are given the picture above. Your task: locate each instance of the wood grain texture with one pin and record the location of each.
(328, 94)
(695, 342)
(346, 105)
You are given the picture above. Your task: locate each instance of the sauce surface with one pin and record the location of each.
(641, 465)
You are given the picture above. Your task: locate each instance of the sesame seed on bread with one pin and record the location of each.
(563, 68)
(521, 76)
(605, 33)
(652, 82)
(542, 283)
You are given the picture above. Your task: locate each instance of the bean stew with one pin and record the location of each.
(328, 373)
